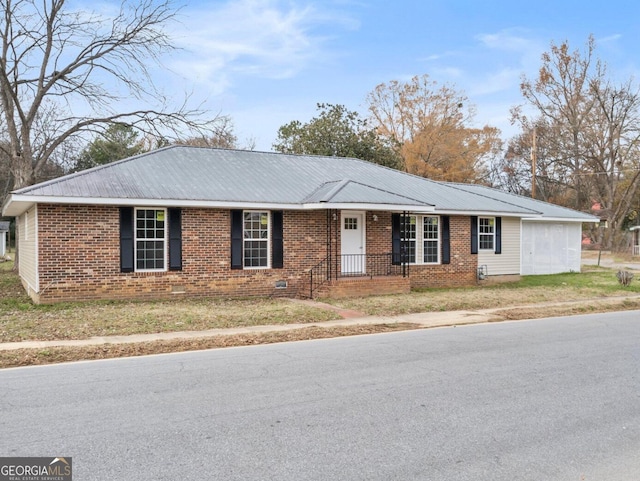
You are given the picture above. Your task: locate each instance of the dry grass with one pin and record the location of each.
(601, 283)
(81, 321)
(27, 357)
(21, 320)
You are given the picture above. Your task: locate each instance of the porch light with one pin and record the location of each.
(375, 218)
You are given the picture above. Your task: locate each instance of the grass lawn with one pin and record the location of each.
(21, 320)
(593, 284)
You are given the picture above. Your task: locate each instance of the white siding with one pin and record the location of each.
(551, 247)
(28, 249)
(508, 262)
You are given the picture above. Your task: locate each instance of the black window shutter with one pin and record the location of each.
(396, 243)
(175, 239)
(126, 239)
(277, 245)
(498, 235)
(446, 240)
(236, 239)
(474, 234)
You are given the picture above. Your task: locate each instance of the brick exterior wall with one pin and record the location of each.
(79, 256)
(463, 267)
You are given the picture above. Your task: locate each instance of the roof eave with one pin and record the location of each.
(593, 220)
(19, 203)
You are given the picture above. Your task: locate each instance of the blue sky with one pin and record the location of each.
(267, 62)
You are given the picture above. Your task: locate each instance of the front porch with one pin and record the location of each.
(355, 275)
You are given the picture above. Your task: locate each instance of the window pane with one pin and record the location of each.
(430, 236)
(351, 223)
(150, 239)
(408, 235)
(431, 251)
(486, 232)
(431, 228)
(256, 239)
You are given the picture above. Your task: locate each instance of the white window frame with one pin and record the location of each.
(164, 240)
(487, 235)
(437, 240)
(419, 239)
(267, 240)
(412, 241)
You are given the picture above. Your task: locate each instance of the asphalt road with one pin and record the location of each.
(553, 399)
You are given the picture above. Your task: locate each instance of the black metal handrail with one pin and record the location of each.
(355, 265)
(319, 275)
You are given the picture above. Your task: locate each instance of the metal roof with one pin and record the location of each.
(182, 176)
(546, 209)
(4, 226)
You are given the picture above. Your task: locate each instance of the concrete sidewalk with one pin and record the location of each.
(350, 318)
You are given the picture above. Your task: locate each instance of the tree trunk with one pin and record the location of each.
(22, 170)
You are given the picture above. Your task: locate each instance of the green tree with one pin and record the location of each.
(119, 141)
(337, 132)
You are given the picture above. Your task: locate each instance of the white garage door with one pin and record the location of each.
(550, 247)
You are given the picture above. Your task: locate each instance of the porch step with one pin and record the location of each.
(364, 286)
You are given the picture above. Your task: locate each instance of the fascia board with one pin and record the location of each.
(369, 207)
(18, 203)
(484, 213)
(595, 220)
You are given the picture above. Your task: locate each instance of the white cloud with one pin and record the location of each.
(258, 38)
(499, 81)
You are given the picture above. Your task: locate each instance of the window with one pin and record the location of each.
(350, 223)
(256, 239)
(150, 244)
(486, 232)
(423, 243)
(430, 240)
(408, 235)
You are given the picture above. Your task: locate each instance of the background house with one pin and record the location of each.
(4, 237)
(214, 222)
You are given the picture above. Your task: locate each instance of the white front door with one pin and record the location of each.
(352, 245)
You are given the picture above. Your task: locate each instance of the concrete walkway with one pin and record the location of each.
(350, 318)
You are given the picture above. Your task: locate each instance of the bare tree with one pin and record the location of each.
(222, 137)
(561, 97)
(514, 171)
(64, 72)
(612, 152)
(589, 135)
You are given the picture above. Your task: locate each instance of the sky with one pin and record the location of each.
(265, 63)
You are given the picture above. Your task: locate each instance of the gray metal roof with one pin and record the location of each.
(4, 226)
(178, 174)
(547, 209)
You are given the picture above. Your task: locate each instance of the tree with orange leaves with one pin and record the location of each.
(431, 124)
